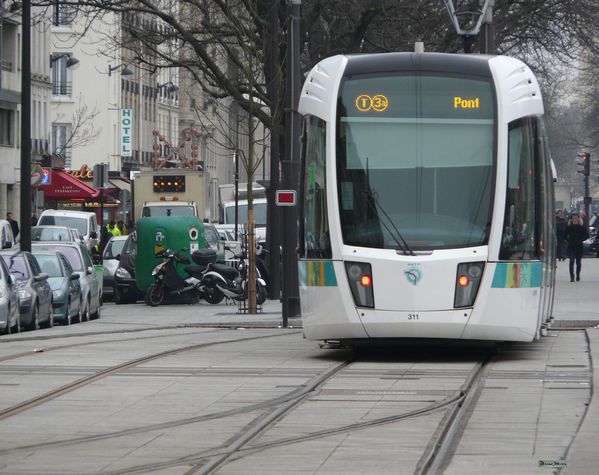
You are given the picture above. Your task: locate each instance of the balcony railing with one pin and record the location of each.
(62, 88)
(6, 65)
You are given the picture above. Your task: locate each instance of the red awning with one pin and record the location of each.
(65, 187)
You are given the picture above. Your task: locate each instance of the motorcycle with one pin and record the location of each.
(591, 245)
(231, 282)
(169, 284)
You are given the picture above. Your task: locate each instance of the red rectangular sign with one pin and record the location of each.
(285, 198)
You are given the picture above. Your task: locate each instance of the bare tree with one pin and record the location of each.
(83, 126)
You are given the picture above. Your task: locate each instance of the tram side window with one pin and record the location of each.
(315, 240)
(519, 231)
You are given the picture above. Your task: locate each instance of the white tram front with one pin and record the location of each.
(426, 199)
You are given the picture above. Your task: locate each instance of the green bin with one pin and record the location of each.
(182, 234)
(99, 270)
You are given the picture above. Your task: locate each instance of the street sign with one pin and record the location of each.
(285, 198)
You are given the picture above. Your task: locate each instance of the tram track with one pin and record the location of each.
(97, 342)
(239, 446)
(67, 388)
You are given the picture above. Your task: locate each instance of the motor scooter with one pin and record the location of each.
(168, 284)
(231, 282)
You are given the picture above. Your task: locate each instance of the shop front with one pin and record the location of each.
(73, 189)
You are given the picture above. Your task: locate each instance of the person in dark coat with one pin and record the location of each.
(105, 236)
(13, 224)
(560, 230)
(574, 235)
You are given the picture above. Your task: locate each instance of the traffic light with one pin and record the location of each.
(585, 161)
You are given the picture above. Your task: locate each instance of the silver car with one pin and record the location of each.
(110, 260)
(35, 294)
(9, 301)
(80, 260)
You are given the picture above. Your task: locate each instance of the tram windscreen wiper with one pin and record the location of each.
(395, 234)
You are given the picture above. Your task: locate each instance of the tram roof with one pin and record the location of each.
(470, 64)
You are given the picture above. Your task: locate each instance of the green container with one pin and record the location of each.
(99, 270)
(182, 234)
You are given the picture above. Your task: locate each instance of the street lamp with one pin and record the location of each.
(25, 182)
(125, 72)
(71, 61)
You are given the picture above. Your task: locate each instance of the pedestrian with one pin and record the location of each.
(105, 236)
(112, 229)
(121, 227)
(130, 227)
(13, 224)
(560, 229)
(574, 235)
(34, 219)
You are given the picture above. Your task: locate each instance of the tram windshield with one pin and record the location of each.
(415, 161)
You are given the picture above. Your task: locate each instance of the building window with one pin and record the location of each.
(61, 81)
(63, 15)
(60, 135)
(6, 127)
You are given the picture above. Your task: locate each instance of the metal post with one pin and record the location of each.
(236, 160)
(587, 202)
(25, 198)
(487, 31)
(274, 218)
(290, 280)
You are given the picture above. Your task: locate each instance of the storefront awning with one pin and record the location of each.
(120, 184)
(63, 186)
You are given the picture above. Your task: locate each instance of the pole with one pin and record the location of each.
(587, 202)
(101, 224)
(290, 170)
(274, 218)
(487, 32)
(25, 197)
(236, 160)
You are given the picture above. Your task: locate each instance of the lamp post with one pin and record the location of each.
(25, 183)
(125, 72)
(236, 163)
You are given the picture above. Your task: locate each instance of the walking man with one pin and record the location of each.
(574, 235)
(13, 224)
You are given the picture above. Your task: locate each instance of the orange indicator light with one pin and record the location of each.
(463, 280)
(366, 281)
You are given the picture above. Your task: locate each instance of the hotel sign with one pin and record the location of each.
(126, 127)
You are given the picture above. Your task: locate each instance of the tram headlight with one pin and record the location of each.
(359, 275)
(467, 283)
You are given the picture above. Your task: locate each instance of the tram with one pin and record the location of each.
(426, 199)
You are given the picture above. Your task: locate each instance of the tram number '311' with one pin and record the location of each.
(412, 316)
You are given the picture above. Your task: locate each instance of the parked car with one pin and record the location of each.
(231, 246)
(125, 288)
(35, 295)
(6, 236)
(80, 260)
(84, 222)
(55, 233)
(64, 282)
(110, 260)
(9, 301)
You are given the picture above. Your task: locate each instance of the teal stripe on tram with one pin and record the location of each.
(516, 275)
(316, 274)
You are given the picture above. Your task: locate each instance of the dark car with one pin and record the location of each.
(125, 288)
(35, 295)
(64, 282)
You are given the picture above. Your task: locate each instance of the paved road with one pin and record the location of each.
(165, 390)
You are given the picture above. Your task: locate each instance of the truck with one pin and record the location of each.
(227, 207)
(169, 192)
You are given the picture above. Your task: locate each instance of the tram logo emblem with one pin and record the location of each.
(377, 103)
(413, 275)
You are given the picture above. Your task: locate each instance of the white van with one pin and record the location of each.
(84, 222)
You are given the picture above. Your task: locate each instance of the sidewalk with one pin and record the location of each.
(577, 301)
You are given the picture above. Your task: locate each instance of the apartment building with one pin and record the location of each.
(10, 101)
